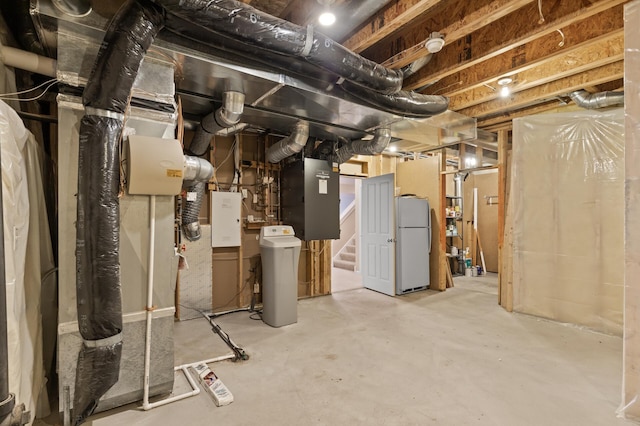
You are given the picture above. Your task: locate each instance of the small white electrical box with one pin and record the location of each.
(226, 223)
(155, 166)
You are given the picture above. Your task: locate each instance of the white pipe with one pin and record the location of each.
(195, 389)
(28, 61)
(149, 307)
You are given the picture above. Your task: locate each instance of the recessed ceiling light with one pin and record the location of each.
(327, 19)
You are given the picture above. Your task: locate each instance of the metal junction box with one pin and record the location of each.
(310, 197)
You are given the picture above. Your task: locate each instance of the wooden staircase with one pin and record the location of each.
(346, 257)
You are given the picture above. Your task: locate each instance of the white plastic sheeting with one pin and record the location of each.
(630, 406)
(28, 256)
(568, 195)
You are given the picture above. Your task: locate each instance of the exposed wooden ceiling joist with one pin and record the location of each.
(521, 27)
(535, 53)
(392, 18)
(607, 49)
(548, 91)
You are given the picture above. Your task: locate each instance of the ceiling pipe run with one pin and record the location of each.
(587, 100)
(290, 145)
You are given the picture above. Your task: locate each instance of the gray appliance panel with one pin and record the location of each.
(412, 262)
(412, 212)
(311, 199)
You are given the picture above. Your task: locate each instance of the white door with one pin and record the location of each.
(377, 232)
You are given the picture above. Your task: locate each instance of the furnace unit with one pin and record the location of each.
(310, 198)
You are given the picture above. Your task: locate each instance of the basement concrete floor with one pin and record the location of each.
(427, 358)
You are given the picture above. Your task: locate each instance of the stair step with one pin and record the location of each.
(349, 248)
(351, 257)
(343, 264)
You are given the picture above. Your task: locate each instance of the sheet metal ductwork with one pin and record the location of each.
(225, 117)
(381, 139)
(290, 145)
(99, 303)
(241, 21)
(587, 100)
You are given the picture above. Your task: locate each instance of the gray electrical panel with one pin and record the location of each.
(310, 198)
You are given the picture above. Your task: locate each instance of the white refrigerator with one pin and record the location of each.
(413, 244)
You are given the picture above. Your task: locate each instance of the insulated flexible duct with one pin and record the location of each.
(191, 210)
(409, 104)
(290, 145)
(587, 100)
(241, 21)
(376, 145)
(99, 304)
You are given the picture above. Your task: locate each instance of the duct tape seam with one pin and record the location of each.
(104, 113)
(308, 43)
(108, 341)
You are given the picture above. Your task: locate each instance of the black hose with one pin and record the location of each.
(99, 303)
(253, 27)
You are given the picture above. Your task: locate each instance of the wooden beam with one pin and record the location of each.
(503, 137)
(504, 120)
(549, 90)
(466, 20)
(534, 53)
(606, 50)
(483, 44)
(389, 20)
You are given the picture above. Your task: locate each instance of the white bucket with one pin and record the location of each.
(468, 272)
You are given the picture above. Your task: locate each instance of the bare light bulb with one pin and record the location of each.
(327, 19)
(393, 148)
(504, 91)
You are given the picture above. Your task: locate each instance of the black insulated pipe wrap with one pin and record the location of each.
(99, 299)
(133, 30)
(253, 27)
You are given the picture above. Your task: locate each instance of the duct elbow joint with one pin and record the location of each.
(290, 145)
(232, 108)
(196, 169)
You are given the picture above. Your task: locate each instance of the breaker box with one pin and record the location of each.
(310, 198)
(226, 225)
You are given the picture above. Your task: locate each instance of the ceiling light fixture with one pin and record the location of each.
(393, 148)
(435, 42)
(326, 18)
(504, 83)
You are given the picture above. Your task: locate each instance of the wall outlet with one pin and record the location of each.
(255, 198)
(245, 194)
(256, 288)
